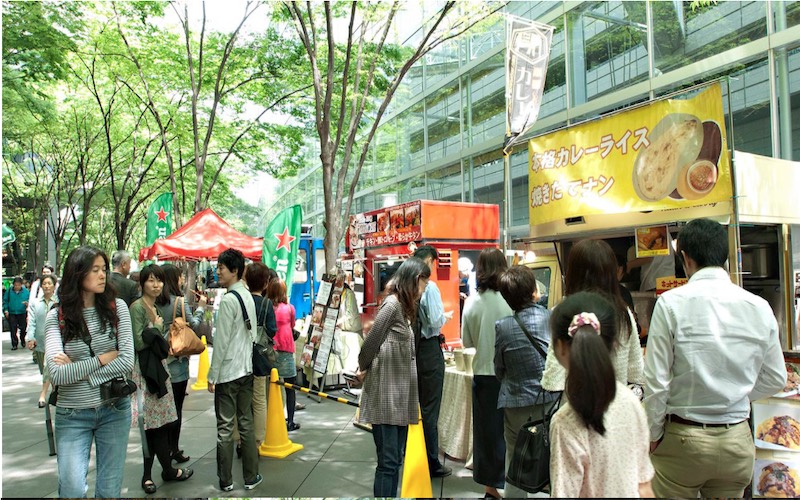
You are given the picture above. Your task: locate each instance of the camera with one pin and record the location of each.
(116, 388)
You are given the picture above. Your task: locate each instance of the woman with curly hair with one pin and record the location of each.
(89, 342)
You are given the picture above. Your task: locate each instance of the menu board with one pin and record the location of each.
(323, 320)
(385, 226)
(776, 433)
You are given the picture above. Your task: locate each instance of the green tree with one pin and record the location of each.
(354, 82)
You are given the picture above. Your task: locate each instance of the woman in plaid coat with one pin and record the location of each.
(390, 401)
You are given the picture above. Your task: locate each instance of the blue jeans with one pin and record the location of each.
(390, 444)
(109, 426)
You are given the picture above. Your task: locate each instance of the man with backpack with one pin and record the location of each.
(230, 376)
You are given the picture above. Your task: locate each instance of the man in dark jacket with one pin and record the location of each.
(126, 289)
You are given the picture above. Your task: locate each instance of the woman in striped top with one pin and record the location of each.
(88, 342)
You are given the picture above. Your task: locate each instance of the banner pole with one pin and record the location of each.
(508, 197)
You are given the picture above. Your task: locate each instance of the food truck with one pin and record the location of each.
(628, 177)
(378, 241)
(309, 268)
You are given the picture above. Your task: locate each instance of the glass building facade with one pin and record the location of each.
(442, 136)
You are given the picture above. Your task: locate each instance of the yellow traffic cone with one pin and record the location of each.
(276, 443)
(202, 370)
(416, 475)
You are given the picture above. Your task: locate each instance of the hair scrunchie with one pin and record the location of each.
(582, 319)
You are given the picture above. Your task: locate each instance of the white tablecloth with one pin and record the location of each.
(455, 416)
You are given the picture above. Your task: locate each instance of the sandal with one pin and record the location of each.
(179, 457)
(183, 475)
(149, 486)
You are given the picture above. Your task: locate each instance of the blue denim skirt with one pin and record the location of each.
(285, 364)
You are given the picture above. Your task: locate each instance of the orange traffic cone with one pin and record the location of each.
(276, 443)
(416, 475)
(202, 370)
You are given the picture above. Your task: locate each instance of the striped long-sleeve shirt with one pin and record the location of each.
(78, 382)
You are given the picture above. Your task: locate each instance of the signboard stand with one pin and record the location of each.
(324, 317)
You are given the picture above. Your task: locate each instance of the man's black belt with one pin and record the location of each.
(684, 421)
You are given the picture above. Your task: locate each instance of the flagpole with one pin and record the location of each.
(508, 193)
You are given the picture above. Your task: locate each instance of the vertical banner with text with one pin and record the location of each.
(527, 54)
(159, 218)
(281, 244)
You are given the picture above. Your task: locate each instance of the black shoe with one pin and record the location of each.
(254, 483)
(292, 427)
(13, 348)
(148, 488)
(442, 471)
(180, 457)
(185, 474)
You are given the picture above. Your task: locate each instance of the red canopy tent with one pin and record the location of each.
(204, 235)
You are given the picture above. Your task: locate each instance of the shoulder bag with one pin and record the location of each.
(264, 355)
(530, 463)
(182, 339)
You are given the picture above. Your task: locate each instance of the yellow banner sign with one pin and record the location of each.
(668, 154)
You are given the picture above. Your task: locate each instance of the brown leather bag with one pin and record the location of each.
(182, 339)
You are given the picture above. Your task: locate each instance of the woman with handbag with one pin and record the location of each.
(88, 343)
(36, 334)
(258, 277)
(285, 318)
(390, 396)
(481, 311)
(155, 388)
(592, 267)
(521, 343)
(599, 438)
(171, 303)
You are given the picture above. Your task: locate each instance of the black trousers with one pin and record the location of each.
(179, 390)
(158, 445)
(18, 322)
(489, 448)
(430, 380)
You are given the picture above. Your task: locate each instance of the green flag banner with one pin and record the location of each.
(281, 243)
(8, 235)
(159, 218)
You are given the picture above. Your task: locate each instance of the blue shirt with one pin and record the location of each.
(517, 363)
(431, 312)
(16, 302)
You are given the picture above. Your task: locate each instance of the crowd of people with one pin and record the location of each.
(624, 424)
(101, 342)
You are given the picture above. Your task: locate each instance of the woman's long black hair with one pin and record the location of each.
(592, 267)
(591, 382)
(405, 284)
(172, 276)
(70, 294)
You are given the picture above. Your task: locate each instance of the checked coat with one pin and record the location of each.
(390, 395)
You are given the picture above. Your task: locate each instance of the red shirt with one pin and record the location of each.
(285, 317)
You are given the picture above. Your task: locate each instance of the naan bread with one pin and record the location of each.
(658, 163)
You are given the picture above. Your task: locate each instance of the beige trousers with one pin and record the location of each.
(714, 461)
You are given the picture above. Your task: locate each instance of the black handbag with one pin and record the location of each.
(530, 464)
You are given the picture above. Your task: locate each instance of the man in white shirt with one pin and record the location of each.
(712, 349)
(230, 376)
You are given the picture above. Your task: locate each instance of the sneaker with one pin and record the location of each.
(225, 487)
(442, 471)
(256, 482)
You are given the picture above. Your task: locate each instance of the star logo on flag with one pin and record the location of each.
(284, 239)
(162, 215)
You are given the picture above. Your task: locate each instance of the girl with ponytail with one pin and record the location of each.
(599, 438)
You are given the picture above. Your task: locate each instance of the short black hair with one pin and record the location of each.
(232, 259)
(17, 279)
(151, 270)
(517, 286)
(426, 251)
(705, 241)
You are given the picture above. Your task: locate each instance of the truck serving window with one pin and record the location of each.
(301, 267)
